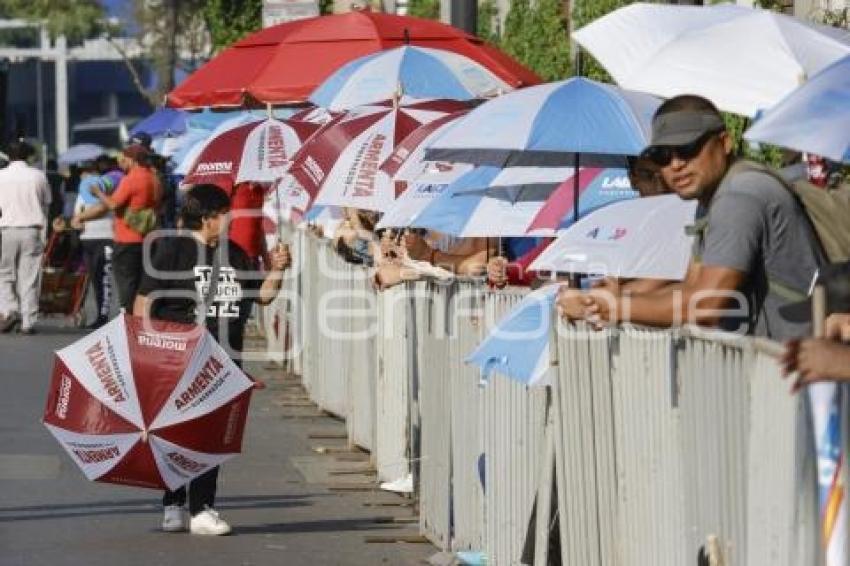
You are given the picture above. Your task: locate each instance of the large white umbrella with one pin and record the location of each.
(642, 237)
(742, 59)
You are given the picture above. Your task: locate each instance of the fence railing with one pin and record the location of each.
(648, 447)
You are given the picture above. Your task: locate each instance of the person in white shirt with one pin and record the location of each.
(24, 198)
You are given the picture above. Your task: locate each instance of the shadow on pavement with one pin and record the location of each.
(145, 506)
(331, 525)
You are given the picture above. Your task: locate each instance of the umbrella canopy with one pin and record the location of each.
(257, 151)
(339, 165)
(164, 121)
(518, 346)
(642, 237)
(148, 404)
(550, 125)
(742, 59)
(597, 188)
(814, 118)
(76, 154)
(490, 201)
(407, 161)
(419, 72)
(188, 154)
(420, 193)
(285, 63)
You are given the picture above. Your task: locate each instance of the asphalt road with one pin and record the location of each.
(276, 494)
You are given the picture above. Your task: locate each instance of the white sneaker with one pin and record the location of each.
(208, 522)
(173, 519)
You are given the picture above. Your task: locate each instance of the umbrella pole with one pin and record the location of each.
(575, 187)
(279, 207)
(574, 278)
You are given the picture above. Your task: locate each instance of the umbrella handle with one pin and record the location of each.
(145, 436)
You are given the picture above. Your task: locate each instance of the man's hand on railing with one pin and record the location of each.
(594, 306)
(814, 360)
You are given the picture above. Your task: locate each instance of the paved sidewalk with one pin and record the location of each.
(281, 495)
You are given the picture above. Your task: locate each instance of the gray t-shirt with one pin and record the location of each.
(756, 226)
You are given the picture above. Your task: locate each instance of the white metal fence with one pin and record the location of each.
(657, 443)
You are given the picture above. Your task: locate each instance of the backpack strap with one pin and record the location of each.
(698, 230)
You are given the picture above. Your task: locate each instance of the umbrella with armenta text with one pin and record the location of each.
(147, 403)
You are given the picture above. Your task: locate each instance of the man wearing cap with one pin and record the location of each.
(754, 251)
(24, 198)
(134, 199)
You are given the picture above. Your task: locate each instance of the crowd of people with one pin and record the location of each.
(114, 211)
(756, 250)
(756, 255)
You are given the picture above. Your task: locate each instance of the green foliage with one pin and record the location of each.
(584, 12)
(76, 19)
(429, 9)
(488, 21)
(229, 21)
(537, 36)
(836, 18)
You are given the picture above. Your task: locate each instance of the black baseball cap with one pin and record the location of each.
(835, 279)
(141, 138)
(683, 127)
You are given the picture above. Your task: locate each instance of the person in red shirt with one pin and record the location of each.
(246, 220)
(136, 193)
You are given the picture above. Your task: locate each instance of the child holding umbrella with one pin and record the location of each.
(195, 276)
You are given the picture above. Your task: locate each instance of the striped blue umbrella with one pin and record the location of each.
(490, 201)
(553, 125)
(418, 72)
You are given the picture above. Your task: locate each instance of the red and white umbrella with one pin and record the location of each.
(407, 161)
(149, 404)
(339, 165)
(258, 152)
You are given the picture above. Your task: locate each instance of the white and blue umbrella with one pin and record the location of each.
(163, 122)
(643, 237)
(420, 193)
(518, 346)
(552, 125)
(418, 72)
(491, 201)
(815, 118)
(79, 153)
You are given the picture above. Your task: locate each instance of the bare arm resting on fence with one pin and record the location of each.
(699, 300)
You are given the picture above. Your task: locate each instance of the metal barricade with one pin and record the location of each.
(660, 441)
(661, 444)
(434, 379)
(392, 399)
(512, 425)
(359, 361)
(466, 399)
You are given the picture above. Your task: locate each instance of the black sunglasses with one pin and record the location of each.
(662, 155)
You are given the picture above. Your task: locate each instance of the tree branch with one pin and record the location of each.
(150, 96)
